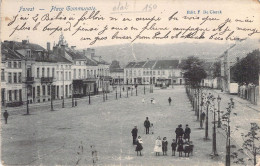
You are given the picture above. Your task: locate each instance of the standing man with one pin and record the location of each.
(134, 134)
(6, 116)
(187, 133)
(202, 118)
(169, 100)
(179, 132)
(147, 125)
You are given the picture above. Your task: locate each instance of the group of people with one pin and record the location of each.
(153, 100)
(182, 142)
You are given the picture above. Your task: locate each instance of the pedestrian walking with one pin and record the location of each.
(147, 125)
(139, 145)
(180, 146)
(6, 116)
(179, 132)
(123, 88)
(164, 146)
(169, 100)
(187, 133)
(134, 134)
(173, 145)
(158, 146)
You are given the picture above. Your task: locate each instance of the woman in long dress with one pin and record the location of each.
(139, 145)
(158, 146)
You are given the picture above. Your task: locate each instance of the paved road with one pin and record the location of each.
(53, 138)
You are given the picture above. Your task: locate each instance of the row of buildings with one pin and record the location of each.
(32, 73)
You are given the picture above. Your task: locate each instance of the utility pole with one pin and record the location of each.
(219, 122)
(207, 121)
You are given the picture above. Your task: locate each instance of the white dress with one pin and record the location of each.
(158, 146)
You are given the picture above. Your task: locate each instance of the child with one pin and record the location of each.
(174, 145)
(180, 146)
(164, 146)
(151, 128)
(139, 145)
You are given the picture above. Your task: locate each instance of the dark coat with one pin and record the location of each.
(170, 100)
(146, 123)
(164, 146)
(134, 132)
(187, 133)
(174, 145)
(202, 116)
(139, 146)
(180, 145)
(179, 131)
(6, 114)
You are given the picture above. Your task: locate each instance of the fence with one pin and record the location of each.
(250, 93)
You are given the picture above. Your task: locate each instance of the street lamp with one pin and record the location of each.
(219, 122)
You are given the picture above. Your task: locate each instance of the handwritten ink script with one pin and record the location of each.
(93, 27)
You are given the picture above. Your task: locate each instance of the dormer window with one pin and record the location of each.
(28, 53)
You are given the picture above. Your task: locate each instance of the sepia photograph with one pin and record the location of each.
(131, 83)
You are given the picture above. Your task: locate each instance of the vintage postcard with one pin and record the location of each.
(127, 82)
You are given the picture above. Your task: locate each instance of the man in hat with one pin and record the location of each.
(187, 133)
(179, 132)
(6, 116)
(147, 125)
(134, 134)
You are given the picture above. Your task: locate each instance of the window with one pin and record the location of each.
(53, 72)
(38, 72)
(84, 73)
(163, 72)
(10, 95)
(19, 65)
(144, 73)
(15, 95)
(61, 66)
(153, 72)
(9, 77)
(74, 74)
(2, 74)
(38, 90)
(43, 90)
(20, 77)
(10, 64)
(43, 72)
(57, 75)
(79, 73)
(69, 75)
(49, 90)
(28, 53)
(159, 72)
(95, 73)
(15, 64)
(48, 72)
(62, 76)
(66, 75)
(126, 73)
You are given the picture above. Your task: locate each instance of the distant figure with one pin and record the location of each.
(202, 117)
(169, 100)
(147, 125)
(153, 101)
(123, 88)
(152, 128)
(174, 145)
(139, 145)
(180, 146)
(164, 146)
(6, 116)
(179, 132)
(134, 134)
(187, 133)
(143, 100)
(158, 146)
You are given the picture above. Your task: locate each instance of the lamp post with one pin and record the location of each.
(89, 94)
(144, 88)
(63, 104)
(207, 122)
(219, 122)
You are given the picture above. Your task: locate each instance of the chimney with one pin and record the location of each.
(48, 46)
(55, 50)
(73, 47)
(63, 50)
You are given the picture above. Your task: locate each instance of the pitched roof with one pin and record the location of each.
(130, 65)
(139, 64)
(167, 64)
(116, 70)
(7, 53)
(75, 55)
(149, 64)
